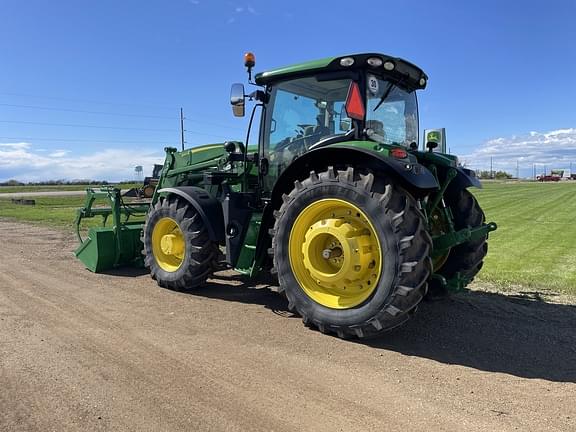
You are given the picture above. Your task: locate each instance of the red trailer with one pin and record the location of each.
(548, 178)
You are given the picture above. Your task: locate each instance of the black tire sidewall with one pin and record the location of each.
(458, 259)
(153, 218)
(382, 223)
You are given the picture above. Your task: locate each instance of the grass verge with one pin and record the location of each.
(534, 244)
(54, 188)
(51, 211)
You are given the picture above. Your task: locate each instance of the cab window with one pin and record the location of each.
(301, 112)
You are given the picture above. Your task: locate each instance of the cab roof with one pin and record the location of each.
(405, 72)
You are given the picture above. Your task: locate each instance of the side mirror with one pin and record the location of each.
(237, 99)
(431, 145)
(345, 121)
(345, 124)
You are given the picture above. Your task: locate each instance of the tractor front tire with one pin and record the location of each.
(352, 252)
(177, 247)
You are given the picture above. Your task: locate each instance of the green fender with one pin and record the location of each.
(416, 178)
(413, 176)
(208, 207)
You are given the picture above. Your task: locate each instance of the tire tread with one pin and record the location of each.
(412, 240)
(202, 257)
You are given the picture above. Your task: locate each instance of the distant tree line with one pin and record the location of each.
(498, 175)
(62, 182)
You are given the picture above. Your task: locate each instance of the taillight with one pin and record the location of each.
(354, 102)
(398, 153)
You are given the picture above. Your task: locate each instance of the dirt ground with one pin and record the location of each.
(80, 351)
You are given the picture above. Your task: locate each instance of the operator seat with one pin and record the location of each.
(313, 134)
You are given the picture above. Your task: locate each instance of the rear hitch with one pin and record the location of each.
(449, 240)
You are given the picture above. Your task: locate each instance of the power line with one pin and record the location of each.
(85, 100)
(110, 141)
(86, 111)
(85, 126)
(84, 140)
(44, 108)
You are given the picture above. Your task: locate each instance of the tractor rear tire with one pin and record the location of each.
(467, 258)
(177, 248)
(351, 252)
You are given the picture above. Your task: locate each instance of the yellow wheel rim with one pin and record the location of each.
(335, 253)
(168, 244)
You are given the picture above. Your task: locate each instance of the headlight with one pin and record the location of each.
(346, 61)
(374, 61)
(389, 66)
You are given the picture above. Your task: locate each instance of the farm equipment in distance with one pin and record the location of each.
(336, 199)
(148, 186)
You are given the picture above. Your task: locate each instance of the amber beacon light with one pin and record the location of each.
(249, 62)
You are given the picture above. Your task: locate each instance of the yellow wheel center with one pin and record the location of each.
(172, 244)
(335, 253)
(168, 244)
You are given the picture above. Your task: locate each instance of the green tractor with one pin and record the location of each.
(336, 199)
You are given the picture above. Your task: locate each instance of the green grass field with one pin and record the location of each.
(51, 188)
(53, 211)
(534, 243)
(533, 246)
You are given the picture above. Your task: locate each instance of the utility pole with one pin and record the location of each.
(533, 171)
(491, 170)
(182, 128)
(517, 169)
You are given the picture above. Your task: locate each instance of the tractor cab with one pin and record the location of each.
(367, 97)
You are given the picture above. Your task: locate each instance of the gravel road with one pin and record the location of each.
(83, 352)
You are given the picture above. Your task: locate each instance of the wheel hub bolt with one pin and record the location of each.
(334, 252)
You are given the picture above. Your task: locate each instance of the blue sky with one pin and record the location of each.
(93, 88)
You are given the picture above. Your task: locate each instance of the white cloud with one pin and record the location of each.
(15, 146)
(19, 161)
(556, 149)
(59, 153)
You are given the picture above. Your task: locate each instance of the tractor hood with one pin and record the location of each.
(204, 153)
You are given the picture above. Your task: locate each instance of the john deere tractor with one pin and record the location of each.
(335, 197)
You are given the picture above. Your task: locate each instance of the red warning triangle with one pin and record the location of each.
(354, 102)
